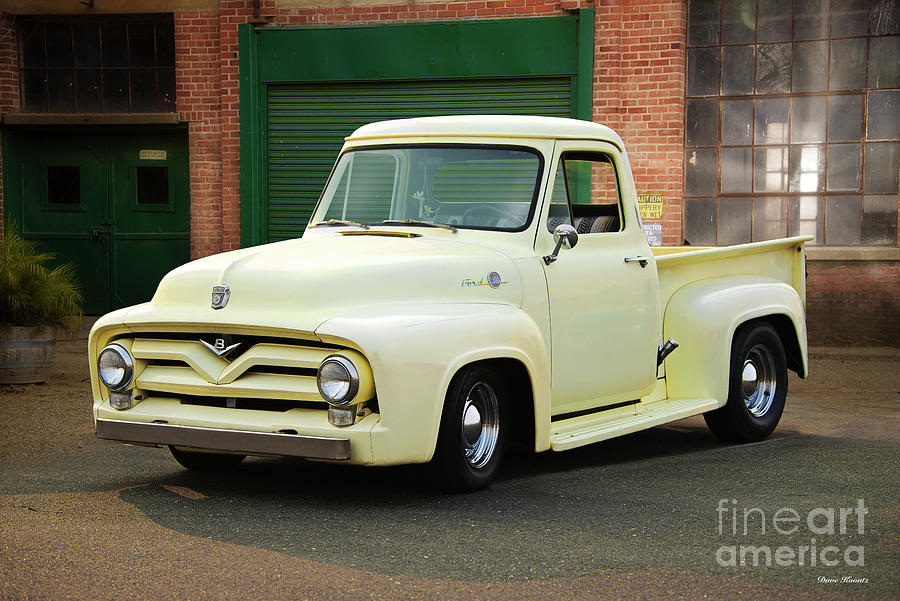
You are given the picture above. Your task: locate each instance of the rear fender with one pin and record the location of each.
(703, 317)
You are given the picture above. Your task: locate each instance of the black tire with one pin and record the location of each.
(469, 451)
(757, 387)
(205, 462)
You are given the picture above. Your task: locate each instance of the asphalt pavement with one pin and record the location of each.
(670, 513)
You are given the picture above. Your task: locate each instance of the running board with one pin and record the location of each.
(585, 429)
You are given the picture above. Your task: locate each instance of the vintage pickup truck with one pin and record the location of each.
(464, 282)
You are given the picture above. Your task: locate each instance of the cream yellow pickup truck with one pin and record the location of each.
(464, 282)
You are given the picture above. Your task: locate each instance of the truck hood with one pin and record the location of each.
(299, 284)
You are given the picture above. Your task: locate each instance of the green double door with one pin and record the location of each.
(116, 205)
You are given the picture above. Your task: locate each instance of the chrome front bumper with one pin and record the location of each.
(224, 440)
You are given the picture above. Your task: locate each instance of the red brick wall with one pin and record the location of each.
(639, 74)
(9, 85)
(853, 302)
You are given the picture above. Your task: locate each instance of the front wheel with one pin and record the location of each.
(757, 387)
(205, 462)
(474, 429)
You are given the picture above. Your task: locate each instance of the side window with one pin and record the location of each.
(593, 190)
(559, 200)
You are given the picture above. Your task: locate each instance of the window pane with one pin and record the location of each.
(774, 21)
(769, 218)
(31, 39)
(115, 48)
(848, 64)
(737, 119)
(885, 17)
(807, 218)
(143, 91)
(807, 164)
(773, 68)
(770, 169)
(809, 76)
(87, 45)
(883, 116)
(63, 185)
(703, 22)
(807, 119)
(152, 185)
(772, 120)
(881, 168)
(811, 19)
(115, 91)
(884, 62)
(166, 90)
(849, 17)
(61, 90)
(736, 169)
(141, 40)
(165, 46)
(699, 221)
(59, 45)
(700, 121)
(843, 166)
(700, 171)
(87, 91)
(845, 118)
(737, 70)
(843, 220)
(34, 90)
(739, 21)
(880, 220)
(734, 220)
(703, 71)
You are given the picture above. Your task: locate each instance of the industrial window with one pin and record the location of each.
(110, 65)
(792, 121)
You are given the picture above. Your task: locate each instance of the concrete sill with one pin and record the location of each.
(90, 118)
(852, 253)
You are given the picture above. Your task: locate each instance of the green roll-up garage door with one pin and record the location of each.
(306, 125)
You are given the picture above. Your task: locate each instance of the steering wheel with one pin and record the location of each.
(486, 210)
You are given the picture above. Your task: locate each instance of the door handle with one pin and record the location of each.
(642, 260)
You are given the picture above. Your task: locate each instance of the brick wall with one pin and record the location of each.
(639, 74)
(9, 85)
(853, 302)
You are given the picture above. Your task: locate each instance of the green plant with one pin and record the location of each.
(31, 295)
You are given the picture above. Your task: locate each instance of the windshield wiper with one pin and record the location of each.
(416, 222)
(338, 222)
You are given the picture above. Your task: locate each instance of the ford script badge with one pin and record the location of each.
(220, 296)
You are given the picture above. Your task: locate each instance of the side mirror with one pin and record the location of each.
(563, 234)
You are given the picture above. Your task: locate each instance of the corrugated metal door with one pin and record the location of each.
(307, 123)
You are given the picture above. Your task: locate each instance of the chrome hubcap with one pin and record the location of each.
(758, 381)
(480, 424)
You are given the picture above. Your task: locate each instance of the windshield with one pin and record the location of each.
(465, 186)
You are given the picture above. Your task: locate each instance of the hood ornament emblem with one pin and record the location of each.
(222, 346)
(220, 295)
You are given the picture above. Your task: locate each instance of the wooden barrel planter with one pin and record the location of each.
(26, 359)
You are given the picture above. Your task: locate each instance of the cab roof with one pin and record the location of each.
(505, 126)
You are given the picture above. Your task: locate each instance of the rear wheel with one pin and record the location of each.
(205, 462)
(757, 387)
(474, 430)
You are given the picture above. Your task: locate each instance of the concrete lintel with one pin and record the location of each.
(852, 253)
(90, 119)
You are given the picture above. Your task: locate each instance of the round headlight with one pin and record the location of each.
(338, 380)
(115, 367)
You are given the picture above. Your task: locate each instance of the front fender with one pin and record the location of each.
(415, 350)
(703, 316)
